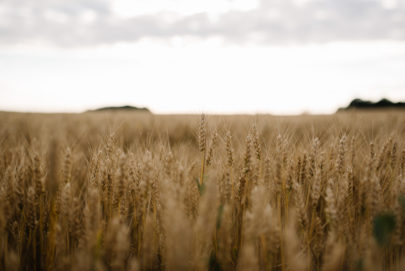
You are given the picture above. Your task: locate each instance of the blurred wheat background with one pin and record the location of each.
(136, 191)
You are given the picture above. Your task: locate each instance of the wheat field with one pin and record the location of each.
(136, 191)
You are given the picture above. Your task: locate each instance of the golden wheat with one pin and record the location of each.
(125, 191)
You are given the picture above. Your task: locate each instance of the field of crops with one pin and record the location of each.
(137, 191)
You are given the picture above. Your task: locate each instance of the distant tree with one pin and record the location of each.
(382, 104)
(121, 108)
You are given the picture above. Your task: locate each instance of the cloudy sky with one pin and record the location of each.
(192, 56)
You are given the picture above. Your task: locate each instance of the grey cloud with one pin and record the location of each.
(274, 21)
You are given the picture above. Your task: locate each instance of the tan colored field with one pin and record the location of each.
(133, 191)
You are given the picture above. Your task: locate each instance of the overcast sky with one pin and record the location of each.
(215, 56)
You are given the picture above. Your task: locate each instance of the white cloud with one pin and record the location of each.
(92, 22)
(54, 16)
(78, 54)
(130, 8)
